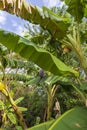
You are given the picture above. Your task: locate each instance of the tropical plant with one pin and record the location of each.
(71, 38)
(8, 113)
(74, 119)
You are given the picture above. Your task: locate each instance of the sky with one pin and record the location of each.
(15, 24)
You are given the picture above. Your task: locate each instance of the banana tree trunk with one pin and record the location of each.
(51, 93)
(50, 103)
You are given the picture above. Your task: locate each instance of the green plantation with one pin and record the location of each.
(43, 74)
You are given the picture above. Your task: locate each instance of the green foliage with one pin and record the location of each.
(44, 126)
(33, 53)
(18, 127)
(1, 105)
(36, 102)
(47, 20)
(8, 112)
(11, 117)
(19, 100)
(58, 27)
(68, 98)
(74, 119)
(76, 8)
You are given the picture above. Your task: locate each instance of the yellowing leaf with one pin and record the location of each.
(1, 86)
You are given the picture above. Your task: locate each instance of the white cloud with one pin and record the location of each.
(52, 3)
(2, 18)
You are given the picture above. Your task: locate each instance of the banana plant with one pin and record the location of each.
(39, 53)
(74, 119)
(43, 126)
(45, 17)
(50, 21)
(77, 8)
(56, 26)
(31, 52)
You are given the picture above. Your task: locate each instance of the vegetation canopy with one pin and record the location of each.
(43, 75)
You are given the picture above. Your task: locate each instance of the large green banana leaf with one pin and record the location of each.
(30, 51)
(77, 8)
(85, 14)
(74, 119)
(43, 126)
(48, 20)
